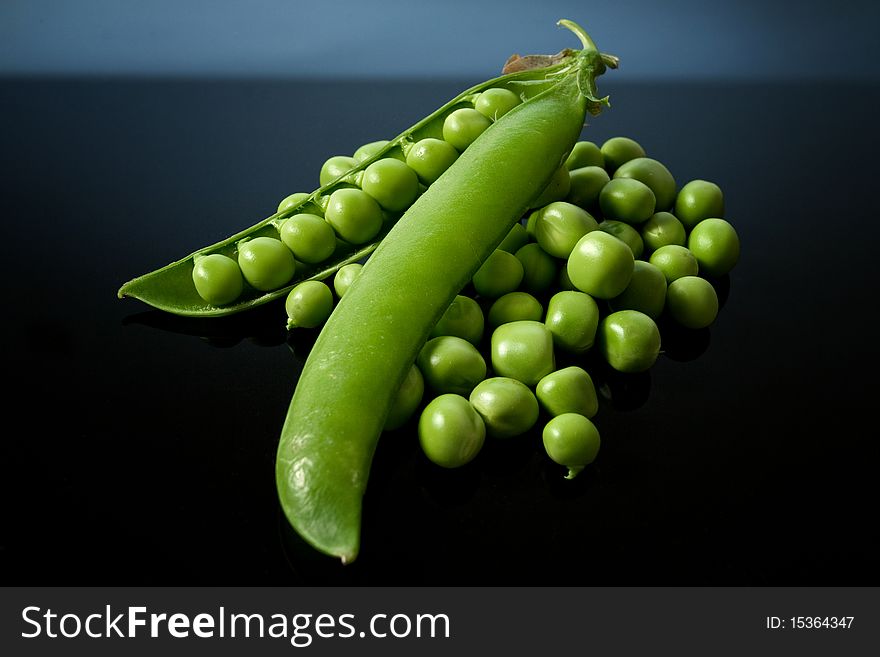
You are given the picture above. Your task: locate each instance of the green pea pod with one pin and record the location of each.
(171, 288)
(372, 338)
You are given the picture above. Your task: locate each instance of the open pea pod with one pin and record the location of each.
(171, 287)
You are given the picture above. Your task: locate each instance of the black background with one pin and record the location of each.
(139, 448)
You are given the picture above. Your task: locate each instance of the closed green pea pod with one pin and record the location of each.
(324, 457)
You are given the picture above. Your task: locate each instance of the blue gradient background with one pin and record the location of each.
(675, 39)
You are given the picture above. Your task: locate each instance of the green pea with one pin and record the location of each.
(619, 150)
(217, 279)
(392, 183)
(462, 127)
(507, 406)
(692, 302)
(646, 291)
(354, 215)
(407, 400)
(513, 307)
(266, 263)
(451, 364)
(626, 234)
(663, 229)
(517, 238)
(585, 185)
(571, 440)
(311, 239)
(345, 276)
(451, 432)
(556, 190)
(336, 167)
(558, 226)
(675, 261)
(495, 103)
(463, 319)
(627, 199)
(698, 200)
(655, 175)
(572, 318)
(715, 245)
(367, 151)
(539, 267)
(501, 273)
(569, 390)
(292, 201)
(430, 157)
(523, 351)
(629, 341)
(600, 265)
(585, 154)
(308, 305)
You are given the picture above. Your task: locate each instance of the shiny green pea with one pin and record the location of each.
(523, 351)
(430, 157)
(407, 400)
(585, 154)
(507, 406)
(715, 245)
(311, 239)
(451, 364)
(627, 199)
(655, 175)
(513, 307)
(266, 263)
(619, 150)
(629, 341)
(571, 440)
(463, 319)
(308, 305)
(569, 390)
(392, 183)
(646, 291)
(495, 103)
(600, 265)
(345, 277)
(626, 234)
(462, 127)
(367, 151)
(217, 278)
(675, 261)
(663, 229)
(572, 318)
(354, 215)
(585, 186)
(539, 268)
(692, 302)
(556, 190)
(499, 274)
(559, 225)
(698, 200)
(451, 432)
(336, 167)
(292, 201)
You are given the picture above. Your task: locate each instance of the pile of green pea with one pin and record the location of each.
(610, 246)
(354, 213)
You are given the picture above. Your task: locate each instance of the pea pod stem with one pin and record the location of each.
(369, 343)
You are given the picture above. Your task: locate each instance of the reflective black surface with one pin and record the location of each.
(139, 448)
